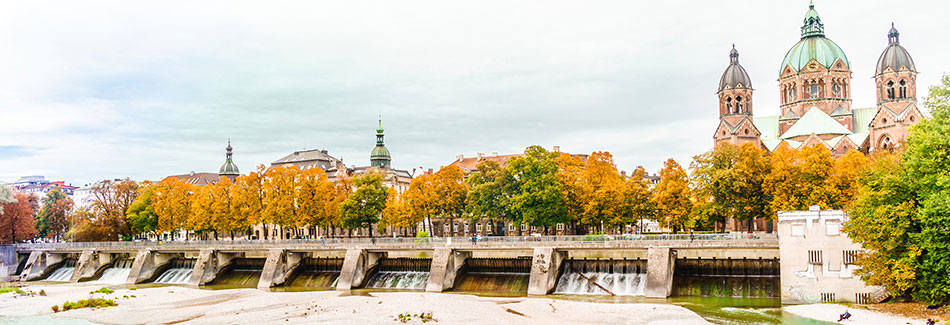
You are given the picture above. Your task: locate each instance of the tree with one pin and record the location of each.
(421, 201)
(639, 196)
(571, 176)
(314, 193)
(91, 226)
(784, 183)
(603, 192)
(173, 204)
(729, 181)
(18, 220)
(111, 200)
(222, 218)
(489, 194)
(672, 197)
(200, 215)
(363, 207)
(53, 219)
(6, 196)
(141, 215)
(396, 213)
(247, 199)
(280, 193)
(901, 214)
(844, 180)
(450, 191)
(537, 197)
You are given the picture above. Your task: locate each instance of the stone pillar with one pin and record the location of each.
(34, 267)
(352, 271)
(143, 260)
(204, 264)
(659, 272)
(445, 265)
(85, 266)
(544, 266)
(273, 268)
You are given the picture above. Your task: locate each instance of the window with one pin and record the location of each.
(827, 296)
(798, 230)
(836, 89)
(560, 226)
(738, 104)
(832, 228)
(814, 91)
(524, 227)
(729, 104)
(903, 89)
(794, 94)
(863, 298)
(814, 257)
(455, 227)
(478, 227)
(890, 89)
(446, 227)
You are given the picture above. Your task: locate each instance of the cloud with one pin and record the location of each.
(108, 89)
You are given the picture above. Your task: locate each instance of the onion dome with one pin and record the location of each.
(813, 46)
(380, 156)
(894, 56)
(229, 168)
(735, 75)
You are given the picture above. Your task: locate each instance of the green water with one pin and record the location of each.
(310, 281)
(492, 284)
(235, 279)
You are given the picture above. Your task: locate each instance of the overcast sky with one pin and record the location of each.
(92, 90)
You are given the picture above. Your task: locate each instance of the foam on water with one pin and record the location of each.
(621, 284)
(398, 280)
(175, 276)
(62, 274)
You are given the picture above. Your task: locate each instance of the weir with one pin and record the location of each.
(400, 273)
(494, 275)
(317, 273)
(727, 277)
(647, 265)
(621, 277)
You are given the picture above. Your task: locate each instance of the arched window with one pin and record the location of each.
(738, 104)
(728, 104)
(890, 89)
(836, 89)
(903, 89)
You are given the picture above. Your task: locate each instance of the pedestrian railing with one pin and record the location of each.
(632, 239)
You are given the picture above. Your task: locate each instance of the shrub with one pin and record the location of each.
(102, 290)
(133, 288)
(43, 292)
(55, 308)
(89, 303)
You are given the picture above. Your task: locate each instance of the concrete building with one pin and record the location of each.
(818, 260)
(815, 98)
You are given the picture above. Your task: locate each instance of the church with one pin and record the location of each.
(815, 98)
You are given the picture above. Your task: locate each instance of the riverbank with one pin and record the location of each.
(171, 304)
(830, 313)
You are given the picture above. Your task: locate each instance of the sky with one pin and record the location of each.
(98, 90)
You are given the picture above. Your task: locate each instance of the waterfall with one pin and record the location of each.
(398, 280)
(118, 273)
(241, 273)
(178, 273)
(621, 277)
(62, 274)
(317, 273)
(726, 277)
(501, 276)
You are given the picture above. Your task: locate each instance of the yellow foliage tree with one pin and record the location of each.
(172, 204)
(280, 193)
(672, 197)
(421, 201)
(247, 199)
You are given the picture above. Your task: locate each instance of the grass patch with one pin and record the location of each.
(102, 290)
(12, 289)
(133, 288)
(86, 303)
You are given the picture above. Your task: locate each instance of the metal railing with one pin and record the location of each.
(421, 242)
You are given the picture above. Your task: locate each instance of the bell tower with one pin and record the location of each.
(735, 105)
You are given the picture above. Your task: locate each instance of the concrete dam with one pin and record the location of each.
(721, 265)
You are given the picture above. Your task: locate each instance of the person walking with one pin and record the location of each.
(474, 240)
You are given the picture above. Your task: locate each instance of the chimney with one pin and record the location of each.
(557, 148)
(459, 157)
(494, 154)
(324, 151)
(479, 155)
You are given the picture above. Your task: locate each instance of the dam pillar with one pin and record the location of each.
(356, 265)
(545, 264)
(146, 263)
(445, 265)
(659, 272)
(205, 268)
(35, 265)
(86, 265)
(273, 266)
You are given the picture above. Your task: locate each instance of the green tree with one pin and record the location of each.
(363, 207)
(489, 194)
(537, 198)
(901, 215)
(672, 197)
(53, 219)
(141, 215)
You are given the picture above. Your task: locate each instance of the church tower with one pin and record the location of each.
(735, 105)
(896, 81)
(229, 169)
(380, 156)
(815, 74)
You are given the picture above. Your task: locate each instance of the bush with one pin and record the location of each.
(89, 303)
(55, 308)
(133, 288)
(422, 237)
(12, 289)
(102, 290)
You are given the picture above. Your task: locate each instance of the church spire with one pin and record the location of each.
(812, 25)
(893, 36)
(229, 168)
(380, 156)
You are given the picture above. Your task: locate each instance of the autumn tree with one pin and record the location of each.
(200, 215)
(421, 201)
(110, 201)
(53, 219)
(570, 175)
(672, 197)
(604, 193)
(141, 214)
(18, 220)
(315, 193)
(172, 204)
(844, 180)
(537, 197)
(247, 200)
(639, 196)
(451, 192)
(396, 213)
(280, 193)
(363, 207)
(91, 226)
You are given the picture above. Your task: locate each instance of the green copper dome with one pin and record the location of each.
(813, 46)
(380, 156)
(379, 152)
(228, 168)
